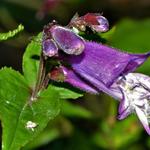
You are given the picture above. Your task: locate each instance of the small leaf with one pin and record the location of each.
(31, 60)
(72, 110)
(10, 34)
(22, 121)
(65, 93)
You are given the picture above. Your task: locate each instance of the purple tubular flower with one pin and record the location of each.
(101, 65)
(102, 68)
(63, 74)
(75, 80)
(95, 67)
(67, 40)
(49, 48)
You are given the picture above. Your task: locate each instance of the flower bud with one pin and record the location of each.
(96, 22)
(103, 24)
(58, 74)
(67, 40)
(49, 48)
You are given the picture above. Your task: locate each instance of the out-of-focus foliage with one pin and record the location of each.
(16, 112)
(133, 36)
(10, 34)
(87, 123)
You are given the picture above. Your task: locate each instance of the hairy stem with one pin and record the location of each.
(40, 77)
(45, 82)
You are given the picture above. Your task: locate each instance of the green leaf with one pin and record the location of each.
(133, 36)
(21, 120)
(72, 110)
(46, 136)
(31, 60)
(117, 134)
(110, 128)
(69, 109)
(65, 93)
(10, 34)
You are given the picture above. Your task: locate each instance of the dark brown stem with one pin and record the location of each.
(40, 77)
(45, 82)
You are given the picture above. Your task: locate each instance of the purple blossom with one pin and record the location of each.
(64, 74)
(94, 67)
(102, 68)
(135, 88)
(101, 65)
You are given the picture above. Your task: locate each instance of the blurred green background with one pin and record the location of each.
(88, 123)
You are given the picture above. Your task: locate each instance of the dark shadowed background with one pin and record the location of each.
(88, 123)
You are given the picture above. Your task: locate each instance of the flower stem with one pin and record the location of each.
(45, 82)
(40, 77)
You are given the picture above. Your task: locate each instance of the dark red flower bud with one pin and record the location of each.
(95, 21)
(57, 74)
